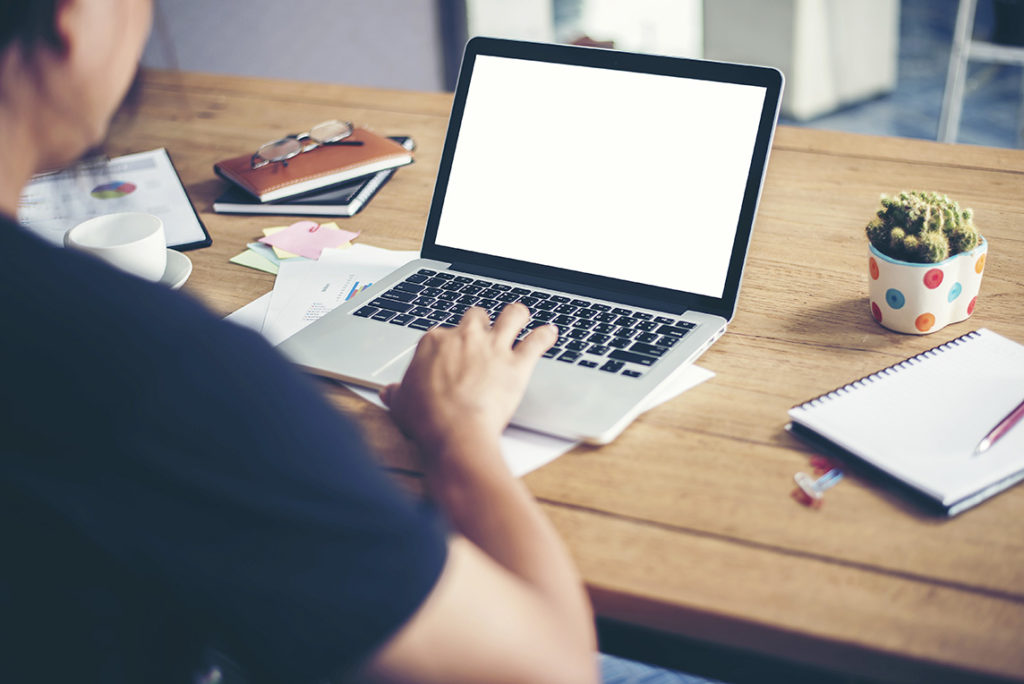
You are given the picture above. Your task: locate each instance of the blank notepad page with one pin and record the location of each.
(922, 419)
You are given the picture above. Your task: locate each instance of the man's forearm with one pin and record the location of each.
(497, 513)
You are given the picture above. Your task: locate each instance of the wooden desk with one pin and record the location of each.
(685, 524)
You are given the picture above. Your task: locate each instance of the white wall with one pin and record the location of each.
(383, 43)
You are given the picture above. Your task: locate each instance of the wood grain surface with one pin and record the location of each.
(685, 524)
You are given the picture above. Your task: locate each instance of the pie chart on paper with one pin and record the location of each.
(113, 190)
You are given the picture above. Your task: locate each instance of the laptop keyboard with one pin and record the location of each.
(604, 337)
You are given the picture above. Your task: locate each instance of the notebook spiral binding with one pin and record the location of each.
(889, 370)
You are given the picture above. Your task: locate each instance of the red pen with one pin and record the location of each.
(1001, 428)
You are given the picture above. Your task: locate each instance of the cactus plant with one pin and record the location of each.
(922, 227)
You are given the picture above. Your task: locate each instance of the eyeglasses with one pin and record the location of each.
(331, 132)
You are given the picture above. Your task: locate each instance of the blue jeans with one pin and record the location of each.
(621, 671)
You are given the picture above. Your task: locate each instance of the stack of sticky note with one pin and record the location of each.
(300, 240)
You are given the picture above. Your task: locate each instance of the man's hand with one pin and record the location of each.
(466, 382)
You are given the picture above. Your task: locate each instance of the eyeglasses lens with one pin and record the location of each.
(284, 148)
(330, 131)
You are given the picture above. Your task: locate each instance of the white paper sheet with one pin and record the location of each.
(305, 290)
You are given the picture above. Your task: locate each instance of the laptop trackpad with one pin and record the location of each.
(393, 369)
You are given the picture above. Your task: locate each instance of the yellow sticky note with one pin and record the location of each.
(251, 259)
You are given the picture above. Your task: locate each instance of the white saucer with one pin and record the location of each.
(179, 268)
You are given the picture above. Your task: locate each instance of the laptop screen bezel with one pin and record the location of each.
(628, 292)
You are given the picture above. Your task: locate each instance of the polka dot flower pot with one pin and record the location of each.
(922, 298)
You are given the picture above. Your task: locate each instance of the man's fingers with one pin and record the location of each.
(475, 316)
(538, 341)
(512, 319)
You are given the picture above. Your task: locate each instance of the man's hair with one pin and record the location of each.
(28, 23)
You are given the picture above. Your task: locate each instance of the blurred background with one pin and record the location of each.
(881, 67)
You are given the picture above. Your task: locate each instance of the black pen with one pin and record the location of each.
(1001, 428)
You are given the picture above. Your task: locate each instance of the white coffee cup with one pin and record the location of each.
(132, 241)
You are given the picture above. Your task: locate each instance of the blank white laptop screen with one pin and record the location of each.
(626, 175)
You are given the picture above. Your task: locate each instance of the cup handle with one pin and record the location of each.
(67, 237)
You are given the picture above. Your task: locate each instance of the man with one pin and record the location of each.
(159, 501)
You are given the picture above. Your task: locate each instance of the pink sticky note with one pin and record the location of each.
(308, 238)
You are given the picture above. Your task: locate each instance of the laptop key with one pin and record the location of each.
(580, 303)
(642, 316)
(539, 295)
(664, 319)
(622, 355)
(546, 305)
(586, 313)
(598, 350)
(667, 341)
(619, 343)
(544, 316)
(598, 338)
(400, 307)
(569, 356)
(632, 373)
(612, 366)
(423, 301)
(587, 364)
(621, 312)
(398, 296)
(520, 291)
(646, 325)
(366, 311)
(426, 272)
(562, 320)
(423, 324)
(648, 349)
(647, 338)
(448, 296)
(577, 345)
(382, 315)
(559, 299)
(551, 353)
(625, 333)
(606, 317)
(600, 307)
(416, 278)
(446, 276)
(463, 279)
(604, 328)
(409, 287)
(419, 311)
(566, 308)
(401, 319)
(672, 331)
(434, 282)
(577, 334)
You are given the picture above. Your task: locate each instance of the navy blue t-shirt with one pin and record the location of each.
(168, 481)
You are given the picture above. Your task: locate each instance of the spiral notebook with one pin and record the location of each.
(921, 420)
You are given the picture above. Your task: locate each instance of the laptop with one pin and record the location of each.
(612, 193)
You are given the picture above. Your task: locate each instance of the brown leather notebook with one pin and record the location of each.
(317, 169)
